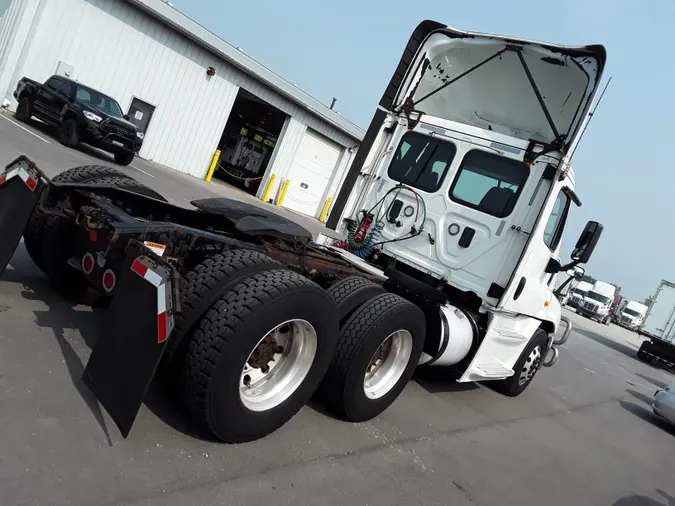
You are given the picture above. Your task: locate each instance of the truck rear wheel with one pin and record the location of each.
(205, 284)
(379, 348)
(258, 354)
(24, 110)
(526, 368)
(31, 235)
(351, 293)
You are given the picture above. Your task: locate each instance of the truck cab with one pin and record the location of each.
(632, 315)
(597, 302)
(465, 189)
(578, 293)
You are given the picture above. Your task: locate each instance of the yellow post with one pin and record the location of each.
(214, 164)
(284, 192)
(268, 190)
(324, 213)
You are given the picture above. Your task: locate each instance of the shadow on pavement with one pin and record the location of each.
(640, 396)
(53, 133)
(643, 500)
(62, 318)
(655, 382)
(609, 343)
(437, 380)
(647, 415)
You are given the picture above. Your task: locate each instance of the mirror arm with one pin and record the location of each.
(558, 291)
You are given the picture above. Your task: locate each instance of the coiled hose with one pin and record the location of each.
(364, 248)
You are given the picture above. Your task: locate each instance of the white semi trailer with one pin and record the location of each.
(632, 315)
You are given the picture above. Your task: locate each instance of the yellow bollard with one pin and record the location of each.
(324, 213)
(214, 164)
(284, 192)
(268, 190)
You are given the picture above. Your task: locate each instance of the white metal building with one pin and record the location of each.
(152, 58)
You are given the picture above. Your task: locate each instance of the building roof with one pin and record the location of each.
(168, 15)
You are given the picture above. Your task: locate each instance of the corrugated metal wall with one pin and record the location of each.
(124, 52)
(11, 13)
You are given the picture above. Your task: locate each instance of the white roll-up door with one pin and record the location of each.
(311, 171)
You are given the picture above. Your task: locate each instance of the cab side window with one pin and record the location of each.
(556, 222)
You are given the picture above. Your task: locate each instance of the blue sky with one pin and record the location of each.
(625, 172)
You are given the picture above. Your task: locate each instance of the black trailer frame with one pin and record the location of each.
(113, 225)
(654, 349)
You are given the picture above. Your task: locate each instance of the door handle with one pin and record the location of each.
(466, 237)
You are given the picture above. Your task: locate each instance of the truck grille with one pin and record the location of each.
(118, 129)
(590, 306)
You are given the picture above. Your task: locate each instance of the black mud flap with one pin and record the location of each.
(132, 342)
(21, 185)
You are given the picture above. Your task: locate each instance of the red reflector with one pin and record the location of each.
(93, 235)
(109, 280)
(161, 327)
(87, 263)
(139, 268)
(3, 178)
(31, 183)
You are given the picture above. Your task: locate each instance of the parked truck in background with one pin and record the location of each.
(577, 293)
(448, 258)
(615, 307)
(632, 315)
(81, 114)
(659, 327)
(598, 302)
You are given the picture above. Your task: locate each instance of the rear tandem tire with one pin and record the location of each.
(351, 293)
(385, 318)
(31, 235)
(528, 365)
(205, 284)
(241, 323)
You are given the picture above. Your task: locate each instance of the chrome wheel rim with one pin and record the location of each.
(388, 364)
(278, 365)
(531, 366)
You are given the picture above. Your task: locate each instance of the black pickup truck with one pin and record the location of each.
(82, 114)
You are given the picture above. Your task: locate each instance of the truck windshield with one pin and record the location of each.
(630, 312)
(576, 291)
(596, 296)
(99, 101)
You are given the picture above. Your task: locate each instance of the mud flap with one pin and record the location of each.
(132, 342)
(21, 185)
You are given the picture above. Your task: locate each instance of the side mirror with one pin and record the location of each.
(576, 272)
(587, 242)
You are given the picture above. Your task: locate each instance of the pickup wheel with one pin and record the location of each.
(258, 355)
(31, 235)
(526, 368)
(351, 293)
(68, 136)
(379, 348)
(124, 158)
(24, 110)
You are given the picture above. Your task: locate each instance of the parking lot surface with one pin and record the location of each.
(583, 432)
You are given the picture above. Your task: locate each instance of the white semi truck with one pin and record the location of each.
(446, 255)
(632, 315)
(659, 327)
(597, 302)
(578, 293)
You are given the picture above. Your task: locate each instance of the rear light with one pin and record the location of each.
(109, 280)
(88, 263)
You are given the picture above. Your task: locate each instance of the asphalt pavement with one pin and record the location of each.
(582, 434)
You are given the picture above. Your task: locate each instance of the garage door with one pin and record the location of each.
(312, 169)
